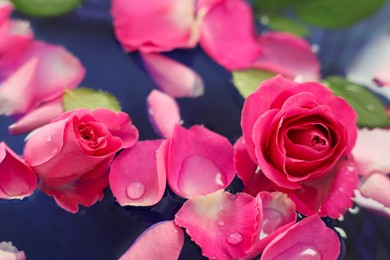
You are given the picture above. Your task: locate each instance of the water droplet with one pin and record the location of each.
(341, 218)
(341, 232)
(221, 223)
(232, 196)
(181, 122)
(135, 190)
(218, 179)
(150, 111)
(234, 238)
(315, 48)
(48, 138)
(370, 108)
(354, 210)
(257, 169)
(220, 207)
(264, 20)
(203, 226)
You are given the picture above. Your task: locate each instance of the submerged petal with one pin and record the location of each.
(172, 77)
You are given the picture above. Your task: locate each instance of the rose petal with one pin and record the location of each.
(155, 26)
(259, 182)
(289, 55)
(8, 251)
(278, 214)
(17, 180)
(162, 241)
(215, 224)
(119, 124)
(371, 151)
(308, 239)
(371, 205)
(38, 117)
(134, 179)
(85, 191)
(377, 187)
(228, 34)
(172, 77)
(163, 113)
(243, 164)
(199, 162)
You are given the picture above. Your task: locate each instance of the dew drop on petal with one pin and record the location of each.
(234, 238)
(135, 190)
(48, 139)
(221, 223)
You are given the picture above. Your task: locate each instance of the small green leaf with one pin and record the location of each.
(371, 112)
(274, 6)
(90, 98)
(285, 24)
(45, 8)
(247, 81)
(336, 13)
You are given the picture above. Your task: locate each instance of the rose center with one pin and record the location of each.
(313, 136)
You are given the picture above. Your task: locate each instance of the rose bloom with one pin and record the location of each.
(72, 155)
(301, 137)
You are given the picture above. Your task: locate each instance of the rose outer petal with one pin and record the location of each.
(17, 180)
(308, 239)
(198, 161)
(172, 77)
(162, 241)
(377, 187)
(215, 224)
(164, 113)
(228, 34)
(243, 164)
(134, 179)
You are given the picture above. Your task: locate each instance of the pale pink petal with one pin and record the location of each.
(228, 33)
(278, 214)
(17, 180)
(156, 25)
(164, 113)
(38, 117)
(134, 179)
(371, 205)
(172, 77)
(288, 55)
(382, 75)
(243, 164)
(377, 187)
(222, 224)
(371, 151)
(199, 162)
(119, 124)
(8, 251)
(20, 84)
(310, 238)
(162, 241)
(85, 191)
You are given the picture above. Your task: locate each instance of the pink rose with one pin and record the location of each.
(301, 136)
(71, 155)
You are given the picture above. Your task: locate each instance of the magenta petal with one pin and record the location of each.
(172, 77)
(371, 151)
(243, 164)
(228, 34)
(17, 180)
(164, 113)
(278, 214)
(288, 55)
(217, 226)
(119, 124)
(155, 25)
(162, 241)
(38, 117)
(199, 162)
(134, 179)
(310, 238)
(377, 187)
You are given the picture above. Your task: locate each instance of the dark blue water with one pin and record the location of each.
(104, 231)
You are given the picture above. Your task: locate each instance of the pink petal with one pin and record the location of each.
(243, 164)
(164, 113)
(371, 205)
(119, 124)
(371, 151)
(38, 117)
(288, 55)
(278, 214)
(308, 239)
(155, 26)
(17, 180)
(172, 77)
(8, 251)
(228, 34)
(377, 187)
(217, 226)
(85, 191)
(199, 162)
(259, 182)
(134, 179)
(162, 241)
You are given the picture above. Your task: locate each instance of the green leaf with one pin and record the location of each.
(45, 8)
(90, 98)
(371, 112)
(274, 6)
(247, 81)
(336, 13)
(285, 24)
